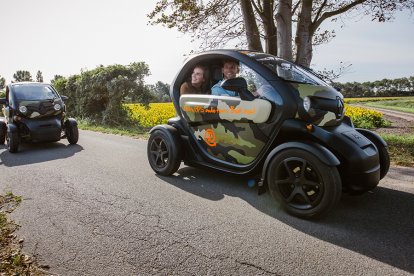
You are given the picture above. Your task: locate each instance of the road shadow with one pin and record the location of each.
(379, 224)
(32, 153)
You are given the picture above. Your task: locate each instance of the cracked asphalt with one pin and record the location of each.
(97, 208)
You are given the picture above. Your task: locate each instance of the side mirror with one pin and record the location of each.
(240, 86)
(64, 98)
(3, 101)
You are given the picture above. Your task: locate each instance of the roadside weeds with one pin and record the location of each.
(12, 260)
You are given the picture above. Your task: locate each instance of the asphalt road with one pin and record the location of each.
(97, 208)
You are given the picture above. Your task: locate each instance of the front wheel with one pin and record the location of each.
(305, 186)
(164, 152)
(12, 138)
(71, 131)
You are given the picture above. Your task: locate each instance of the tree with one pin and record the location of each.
(98, 94)
(380, 88)
(56, 77)
(161, 91)
(22, 75)
(39, 76)
(219, 21)
(59, 83)
(2, 82)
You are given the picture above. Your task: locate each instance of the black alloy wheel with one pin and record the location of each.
(305, 186)
(163, 152)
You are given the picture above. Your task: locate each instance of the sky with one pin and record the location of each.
(63, 37)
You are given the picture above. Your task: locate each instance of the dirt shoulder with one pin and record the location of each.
(401, 124)
(12, 260)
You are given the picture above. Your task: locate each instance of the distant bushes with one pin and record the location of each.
(382, 88)
(98, 94)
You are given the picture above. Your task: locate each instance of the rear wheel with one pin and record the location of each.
(305, 186)
(71, 131)
(164, 152)
(12, 138)
(3, 131)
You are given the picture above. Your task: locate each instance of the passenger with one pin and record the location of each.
(199, 81)
(230, 70)
(266, 91)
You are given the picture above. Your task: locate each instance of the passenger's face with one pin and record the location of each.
(230, 70)
(197, 78)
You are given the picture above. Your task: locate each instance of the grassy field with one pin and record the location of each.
(404, 105)
(401, 149)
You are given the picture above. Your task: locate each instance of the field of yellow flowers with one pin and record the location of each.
(155, 114)
(159, 113)
(364, 117)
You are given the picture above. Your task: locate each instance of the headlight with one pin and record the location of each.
(307, 103)
(57, 107)
(23, 109)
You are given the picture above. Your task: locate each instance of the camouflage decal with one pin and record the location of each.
(320, 117)
(316, 90)
(227, 127)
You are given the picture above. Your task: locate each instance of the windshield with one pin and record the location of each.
(34, 93)
(287, 70)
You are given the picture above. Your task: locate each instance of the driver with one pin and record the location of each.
(230, 70)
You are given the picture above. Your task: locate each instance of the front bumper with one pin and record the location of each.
(41, 130)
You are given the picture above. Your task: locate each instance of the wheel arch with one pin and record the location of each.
(382, 149)
(166, 128)
(322, 153)
(12, 127)
(372, 136)
(72, 121)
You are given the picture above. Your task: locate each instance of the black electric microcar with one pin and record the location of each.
(35, 112)
(286, 129)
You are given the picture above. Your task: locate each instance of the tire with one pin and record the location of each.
(384, 160)
(71, 131)
(3, 131)
(305, 186)
(164, 152)
(383, 157)
(12, 138)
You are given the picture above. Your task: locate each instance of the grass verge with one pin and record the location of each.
(12, 260)
(132, 131)
(401, 149)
